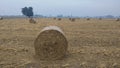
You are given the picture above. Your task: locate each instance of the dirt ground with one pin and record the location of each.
(92, 43)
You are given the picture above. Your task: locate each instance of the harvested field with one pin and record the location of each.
(91, 44)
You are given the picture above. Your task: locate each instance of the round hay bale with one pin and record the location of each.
(100, 18)
(73, 19)
(51, 44)
(1, 18)
(88, 18)
(117, 19)
(70, 18)
(54, 18)
(31, 20)
(59, 19)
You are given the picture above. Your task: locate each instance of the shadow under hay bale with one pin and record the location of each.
(31, 20)
(51, 44)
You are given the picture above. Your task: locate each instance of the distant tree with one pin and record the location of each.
(60, 16)
(27, 11)
(109, 16)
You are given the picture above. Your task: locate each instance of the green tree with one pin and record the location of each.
(27, 11)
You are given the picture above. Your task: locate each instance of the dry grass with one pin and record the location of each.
(92, 44)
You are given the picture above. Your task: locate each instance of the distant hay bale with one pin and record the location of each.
(70, 18)
(73, 19)
(100, 18)
(77, 18)
(54, 18)
(51, 44)
(118, 19)
(32, 20)
(1, 18)
(88, 18)
(59, 19)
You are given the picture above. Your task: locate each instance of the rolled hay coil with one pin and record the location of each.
(51, 44)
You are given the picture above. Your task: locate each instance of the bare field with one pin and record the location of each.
(93, 43)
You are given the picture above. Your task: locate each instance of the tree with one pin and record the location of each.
(27, 11)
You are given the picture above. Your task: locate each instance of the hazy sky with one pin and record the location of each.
(65, 7)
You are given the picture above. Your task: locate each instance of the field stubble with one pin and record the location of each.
(92, 44)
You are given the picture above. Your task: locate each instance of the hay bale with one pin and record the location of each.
(31, 20)
(73, 19)
(100, 18)
(59, 19)
(88, 18)
(50, 44)
(54, 18)
(1, 18)
(117, 19)
(70, 19)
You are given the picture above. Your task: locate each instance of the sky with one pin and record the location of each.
(64, 7)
